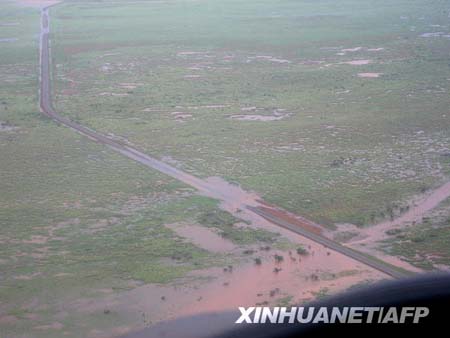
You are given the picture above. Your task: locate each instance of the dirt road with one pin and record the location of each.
(232, 197)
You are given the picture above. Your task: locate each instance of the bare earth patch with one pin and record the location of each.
(4, 320)
(27, 277)
(351, 50)
(8, 39)
(113, 94)
(345, 51)
(435, 35)
(192, 76)
(357, 62)
(52, 326)
(256, 118)
(180, 116)
(267, 58)
(129, 85)
(36, 239)
(6, 127)
(277, 114)
(370, 75)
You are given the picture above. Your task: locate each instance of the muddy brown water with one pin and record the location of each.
(215, 290)
(203, 237)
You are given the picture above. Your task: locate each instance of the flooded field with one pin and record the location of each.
(296, 279)
(199, 156)
(203, 237)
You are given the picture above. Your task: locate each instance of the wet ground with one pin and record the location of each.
(202, 237)
(294, 278)
(265, 279)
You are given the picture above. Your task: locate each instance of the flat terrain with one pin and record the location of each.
(337, 112)
(74, 214)
(267, 94)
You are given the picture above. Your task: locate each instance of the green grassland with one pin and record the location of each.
(350, 148)
(75, 217)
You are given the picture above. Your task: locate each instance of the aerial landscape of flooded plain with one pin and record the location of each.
(167, 158)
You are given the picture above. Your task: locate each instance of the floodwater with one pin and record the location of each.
(296, 279)
(203, 237)
(296, 276)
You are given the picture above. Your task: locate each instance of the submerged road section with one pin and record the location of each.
(231, 195)
(356, 255)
